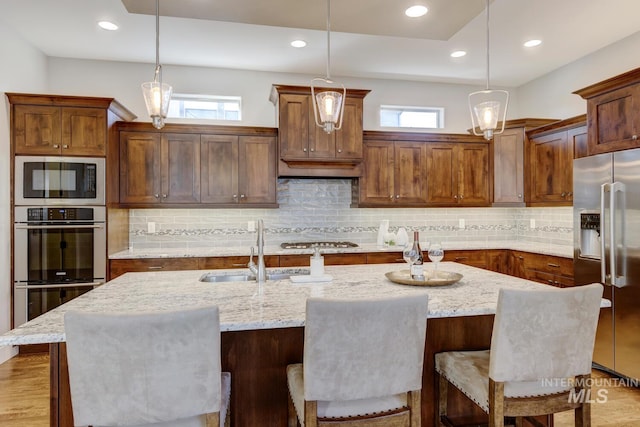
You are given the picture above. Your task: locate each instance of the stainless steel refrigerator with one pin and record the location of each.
(606, 214)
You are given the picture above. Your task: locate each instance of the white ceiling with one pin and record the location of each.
(369, 38)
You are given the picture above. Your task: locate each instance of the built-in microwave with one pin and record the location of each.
(59, 181)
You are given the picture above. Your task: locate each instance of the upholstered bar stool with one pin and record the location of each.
(151, 369)
(540, 357)
(362, 363)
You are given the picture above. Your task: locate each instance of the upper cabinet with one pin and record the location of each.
(51, 125)
(613, 113)
(549, 161)
(408, 169)
(305, 149)
(196, 166)
(508, 161)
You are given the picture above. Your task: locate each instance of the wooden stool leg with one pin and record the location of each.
(292, 415)
(443, 389)
(519, 421)
(496, 404)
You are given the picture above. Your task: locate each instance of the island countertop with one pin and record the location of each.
(275, 304)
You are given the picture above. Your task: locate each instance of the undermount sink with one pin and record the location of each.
(275, 274)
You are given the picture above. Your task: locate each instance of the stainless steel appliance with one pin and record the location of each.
(55, 181)
(59, 253)
(606, 204)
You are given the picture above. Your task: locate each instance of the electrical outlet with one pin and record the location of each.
(251, 226)
(532, 223)
(151, 227)
(461, 224)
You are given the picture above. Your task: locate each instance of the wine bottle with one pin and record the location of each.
(417, 272)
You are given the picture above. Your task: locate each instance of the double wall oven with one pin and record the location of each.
(59, 232)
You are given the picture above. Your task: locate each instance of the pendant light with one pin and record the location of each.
(328, 105)
(488, 107)
(157, 94)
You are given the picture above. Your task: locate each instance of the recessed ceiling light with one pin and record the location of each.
(106, 25)
(298, 43)
(532, 43)
(416, 11)
(458, 53)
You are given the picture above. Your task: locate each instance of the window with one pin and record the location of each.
(411, 117)
(207, 107)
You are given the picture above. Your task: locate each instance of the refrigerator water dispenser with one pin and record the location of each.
(590, 235)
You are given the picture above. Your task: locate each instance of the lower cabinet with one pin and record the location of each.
(547, 269)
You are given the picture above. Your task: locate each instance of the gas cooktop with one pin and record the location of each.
(307, 245)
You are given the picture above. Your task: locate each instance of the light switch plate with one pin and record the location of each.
(461, 224)
(151, 227)
(251, 226)
(532, 223)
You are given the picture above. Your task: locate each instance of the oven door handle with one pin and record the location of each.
(66, 285)
(45, 227)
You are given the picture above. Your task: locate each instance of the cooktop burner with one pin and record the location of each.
(307, 245)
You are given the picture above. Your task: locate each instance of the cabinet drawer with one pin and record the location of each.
(120, 266)
(384, 257)
(473, 258)
(213, 263)
(549, 264)
(329, 259)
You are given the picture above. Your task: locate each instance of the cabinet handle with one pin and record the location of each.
(304, 149)
(339, 151)
(550, 281)
(157, 196)
(550, 264)
(155, 267)
(461, 258)
(65, 146)
(520, 257)
(56, 146)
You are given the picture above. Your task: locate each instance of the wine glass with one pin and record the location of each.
(410, 255)
(435, 253)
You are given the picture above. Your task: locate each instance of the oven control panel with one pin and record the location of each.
(59, 214)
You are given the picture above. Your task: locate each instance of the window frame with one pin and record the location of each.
(182, 97)
(439, 111)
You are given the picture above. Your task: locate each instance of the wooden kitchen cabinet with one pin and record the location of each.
(157, 168)
(498, 261)
(547, 269)
(474, 258)
(549, 163)
(238, 169)
(54, 125)
(117, 267)
(613, 108)
(394, 174)
(458, 174)
(305, 149)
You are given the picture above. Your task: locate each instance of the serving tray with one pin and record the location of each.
(440, 278)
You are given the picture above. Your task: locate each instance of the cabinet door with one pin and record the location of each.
(84, 131)
(294, 126)
(349, 138)
(139, 167)
(578, 139)
(257, 169)
(409, 173)
(377, 182)
(508, 167)
(614, 122)
(37, 130)
(180, 168)
(442, 174)
(473, 169)
(551, 169)
(517, 264)
(498, 261)
(322, 145)
(219, 171)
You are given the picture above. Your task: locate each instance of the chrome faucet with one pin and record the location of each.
(259, 270)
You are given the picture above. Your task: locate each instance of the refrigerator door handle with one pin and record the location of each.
(618, 281)
(603, 259)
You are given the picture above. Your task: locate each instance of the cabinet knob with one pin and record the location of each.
(65, 146)
(164, 196)
(550, 282)
(242, 196)
(56, 146)
(519, 196)
(461, 196)
(563, 194)
(157, 196)
(455, 197)
(304, 149)
(397, 196)
(634, 137)
(569, 194)
(235, 196)
(313, 149)
(339, 151)
(391, 196)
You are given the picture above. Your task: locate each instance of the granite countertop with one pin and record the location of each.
(275, 304)
(540, 248)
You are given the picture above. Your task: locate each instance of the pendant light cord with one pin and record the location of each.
(487, 44)
(328, 40)
(157, 32)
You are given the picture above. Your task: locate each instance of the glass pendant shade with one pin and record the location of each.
(157, 96)
(329, 109)
(488, 110)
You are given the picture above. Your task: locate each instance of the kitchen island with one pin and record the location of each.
(263, 327)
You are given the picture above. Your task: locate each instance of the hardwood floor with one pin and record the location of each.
(24, 397)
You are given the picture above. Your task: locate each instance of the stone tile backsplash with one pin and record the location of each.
(319, 209)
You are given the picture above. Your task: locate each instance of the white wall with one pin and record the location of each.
(551, 95)
(24, 70)
(122, 81)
